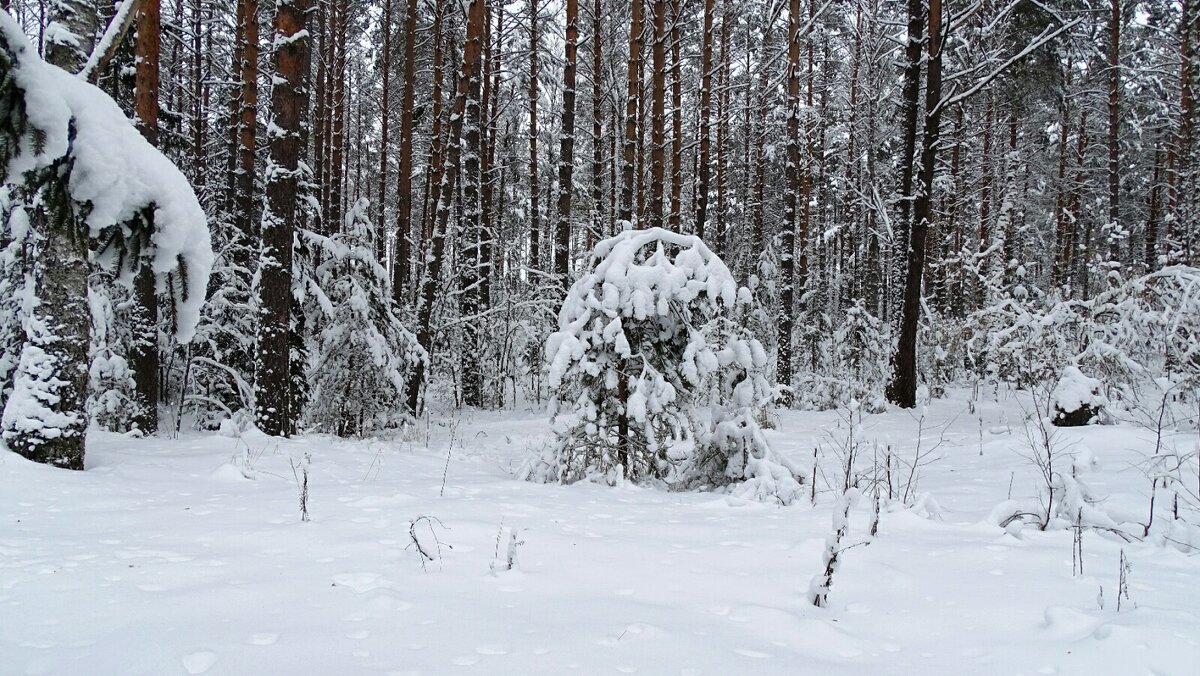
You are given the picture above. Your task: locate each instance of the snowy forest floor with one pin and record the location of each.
(164, 557)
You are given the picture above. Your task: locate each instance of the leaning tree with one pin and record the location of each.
(81, 188)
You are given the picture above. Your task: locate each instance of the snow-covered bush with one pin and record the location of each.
(364, 352)
(112, 399)
(656, 379)
(1128, 335)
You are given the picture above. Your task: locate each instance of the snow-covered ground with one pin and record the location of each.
(189, 556)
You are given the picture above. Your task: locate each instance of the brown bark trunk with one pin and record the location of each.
(566, 161)
(144, 354)
(275, 408)
(633, 95)
(676, 115)
(1113, 229)
(244, 197)
(598, 216)
(705, 160)
(431, 279)
(384, 119)
(791, 199)
(658, 131)
(902, 390)
(535, 215)
(404, 229)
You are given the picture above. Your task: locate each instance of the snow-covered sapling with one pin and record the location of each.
(301, 478)
(508, 539)
(425, 552)
(656, 377)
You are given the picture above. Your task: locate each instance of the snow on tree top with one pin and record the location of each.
(627, 284)
(114, 171)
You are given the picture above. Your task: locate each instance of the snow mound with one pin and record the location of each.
(1076, 399)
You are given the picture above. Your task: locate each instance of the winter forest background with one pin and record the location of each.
(698, 231)
(985, 182)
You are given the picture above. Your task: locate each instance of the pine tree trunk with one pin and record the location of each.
(705, 160)
(677, 116)
(658, 122)
(1180, 167)
(245, 202)
(472, 225)
(902, 390)
(566, 161)
(144, 355)
(535, 214)
(336, 207)
(1113, 228)
(598, 213)
(791, 199)
(632, 98)
(384, 118)
(289, 99)
(404, 224)
(447, 188)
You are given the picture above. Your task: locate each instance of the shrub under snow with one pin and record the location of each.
(656, 378)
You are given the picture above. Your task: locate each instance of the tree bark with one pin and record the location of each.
(144, 355)
(535, 215)
(658, 139)
(566, 161)
(705, 160)
(454, 148)
(244, 200)
(791, 199)
(632, 97)
(902, 390)
(289, 99)
(404, 225)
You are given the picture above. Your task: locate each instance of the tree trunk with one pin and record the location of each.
(676, 115)
(566, 160)
(472, 225)
(658, 138)
(51, 378)
(245, 202)
(289, 99)
(705, 161)
(902, 390)
(791, 199)
(433, 270)
(404, 229)
(598, 216)
(1113, 229)
(632, 97)
(384, 118)
(144, 355)
(535, 215)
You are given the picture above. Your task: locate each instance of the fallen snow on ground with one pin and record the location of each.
(189, 556)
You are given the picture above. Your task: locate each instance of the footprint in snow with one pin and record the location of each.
(492, 649)
(466, 660)
(199, 661)
(265, 638)
(752, 653)
(360, 582)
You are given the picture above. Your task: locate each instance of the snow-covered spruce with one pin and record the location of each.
(365, 353)
(89, 189)
(656, 379)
